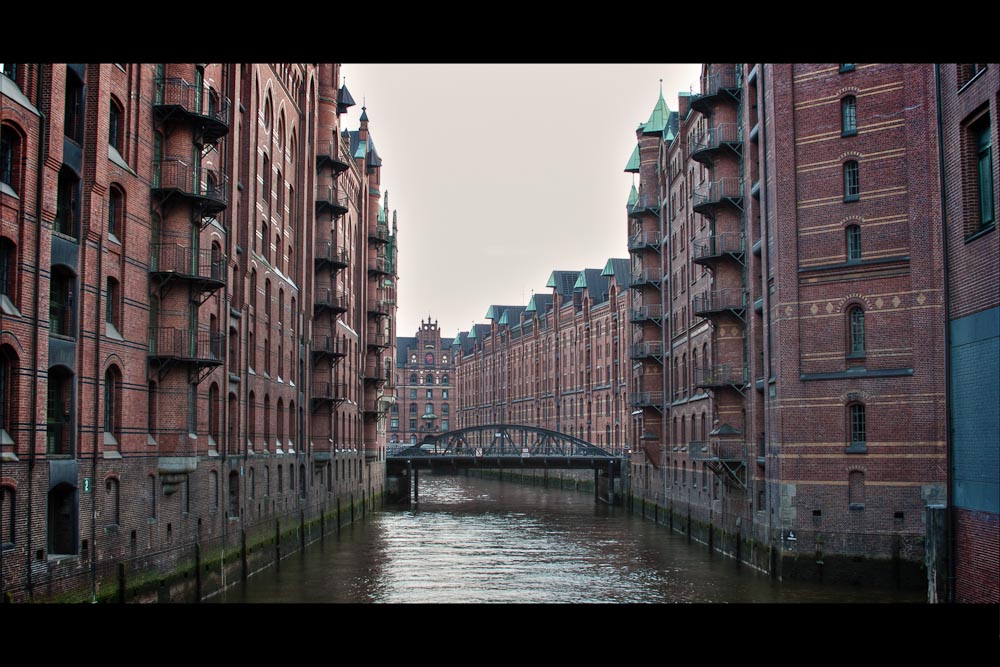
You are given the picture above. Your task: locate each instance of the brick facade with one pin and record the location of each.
(803, 278)
(191, 256)
(427, 401)
(969, 97)
(558, 363)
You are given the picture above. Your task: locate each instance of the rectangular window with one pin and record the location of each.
(430, 394)
(852, 187)
(394, 425)
(848, 116)
(858, 435)
(846, 67)
(413, 424)
(413, 393)
(984, 173)
(853, 243)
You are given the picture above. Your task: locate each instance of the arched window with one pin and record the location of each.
(856, 324)
(857, 427)
(116, 214)
(267, 420)
(291, 422)
(214, 421)
(856, 490)
(413, 378)
(234, 493)
(252, 419)
(112, 307)
(73, 109)
(58, 414)
(444, 379)
(116, 126)
(848, 116)
(8, 276)
(112, 502)
(62, 524)
(8, 394)
(8, 518)
(852, 184)
(213, 491)
(112, 406)
(853, 237)
(67, 203)
(10, 158)
(280, 420)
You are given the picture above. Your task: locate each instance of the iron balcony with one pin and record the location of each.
(649, 313)
(330, 197)
(705, 148)
(379, 305)
(379, 265)
(379, 233)
(644, 277)
(174, 176)
(335, 256)
(332, 346)
(195, 347)
(328, 392)
(177, 98)
(723, 192)
(643, 240)
(330, 300)
(647, 399)
(731, 300)
(378, 340)
(720, 376)
(329, 153)
(645, 204)
(647, 349)
(718, 450)
(204, 268)
(716, 87)
(718, 247)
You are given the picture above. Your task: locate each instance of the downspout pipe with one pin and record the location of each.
(33, 422)
(949, 445)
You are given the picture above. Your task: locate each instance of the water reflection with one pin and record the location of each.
(474, 540)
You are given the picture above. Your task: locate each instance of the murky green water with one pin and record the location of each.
(474, 540)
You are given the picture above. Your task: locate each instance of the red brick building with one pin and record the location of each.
(968, 96)
(425, 383)
(802, 425)
(196, 273)
(558, 362)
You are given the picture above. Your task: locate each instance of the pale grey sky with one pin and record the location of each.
(502, 173)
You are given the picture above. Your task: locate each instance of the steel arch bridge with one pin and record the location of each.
(500, 446)
(503, 440)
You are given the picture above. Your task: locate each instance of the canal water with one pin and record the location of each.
(475, 540)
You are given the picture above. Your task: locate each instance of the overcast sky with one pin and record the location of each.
(502, 173)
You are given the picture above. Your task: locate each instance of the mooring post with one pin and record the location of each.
(243, 552)
(416, 485)
(611, 483)
(197, 572)
(121, 583)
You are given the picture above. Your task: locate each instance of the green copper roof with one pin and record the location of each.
(458, 339)
(658, 119)
(581, 281)
(608, 269)
(361, 149)
(472, 332)
(503, 318)
(381, 215)
(633, 162)
(633, 197)
(531, 307)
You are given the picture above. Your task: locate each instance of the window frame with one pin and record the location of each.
(984, 172)
(848, 116)
(857, 424)
(852, 181)
(852, 241)
(855, 332)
